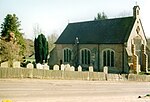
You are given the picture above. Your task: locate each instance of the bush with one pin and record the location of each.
(34, 64)
(144, 73)
(24, 63)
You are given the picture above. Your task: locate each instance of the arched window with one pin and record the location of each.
(67, 55)
(108, 58)
(85, 56)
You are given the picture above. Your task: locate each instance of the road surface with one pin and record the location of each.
(38, 90)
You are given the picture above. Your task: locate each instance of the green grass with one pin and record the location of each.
(144, 73)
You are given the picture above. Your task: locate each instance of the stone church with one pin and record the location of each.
(119, 43)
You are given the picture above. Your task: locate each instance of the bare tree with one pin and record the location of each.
(51, 40)
(124, 14)
(37, 30)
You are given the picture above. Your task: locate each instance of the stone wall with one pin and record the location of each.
(96, 50)
(68, 75)
(118, 49)
(50, 74)
(142, 78)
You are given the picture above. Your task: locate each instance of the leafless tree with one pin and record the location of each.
(37, 30)
(124, 14)
(51, 40)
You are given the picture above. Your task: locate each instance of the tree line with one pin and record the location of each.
(13, 46)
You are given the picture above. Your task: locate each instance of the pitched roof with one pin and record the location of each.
(98, 32)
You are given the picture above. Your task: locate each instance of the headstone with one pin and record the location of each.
(56, 67)
(62, 67)
(39, 66)
(105, 70)
(67, 67)
(4, 65)
(138, 69)
(90, 68)
(30, 66)
(72, 68)
(46, 67)
(16, 64)
(79, 69)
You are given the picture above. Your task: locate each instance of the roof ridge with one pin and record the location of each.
(101, 20)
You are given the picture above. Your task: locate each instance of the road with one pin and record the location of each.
(37, 90)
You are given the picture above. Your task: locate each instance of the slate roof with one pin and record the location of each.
(109, 31)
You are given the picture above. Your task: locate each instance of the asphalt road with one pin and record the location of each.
(37, 90)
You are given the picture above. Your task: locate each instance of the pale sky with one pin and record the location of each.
(52, 16)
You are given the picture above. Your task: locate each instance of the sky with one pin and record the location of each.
(52, 16)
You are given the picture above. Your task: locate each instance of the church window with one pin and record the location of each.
(108, 58)
(137, 12)
(67, 55)
(85, 56)
(138, 29)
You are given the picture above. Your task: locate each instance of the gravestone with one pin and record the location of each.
(90, 68)
(39, 66)
(105, 70)
(67, 67)
(30, 66)
(16, 64)
(62, 67)
(4, 65)
(79, 68)
(138, 69)
(46, 67)
(72, 68)
(56, 67)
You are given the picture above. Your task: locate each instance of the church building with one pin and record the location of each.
(118, 43)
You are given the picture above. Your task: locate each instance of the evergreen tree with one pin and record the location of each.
(36, 50)
(101, 16)
(41, 49)
(11, 24)
(12, 45)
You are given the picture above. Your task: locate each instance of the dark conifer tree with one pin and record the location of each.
(41, 49)
(101, 16)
